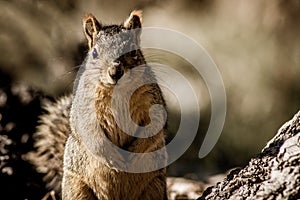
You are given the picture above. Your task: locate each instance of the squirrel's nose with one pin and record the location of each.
(116, 71)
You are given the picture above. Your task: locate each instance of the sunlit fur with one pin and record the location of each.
(85, 119)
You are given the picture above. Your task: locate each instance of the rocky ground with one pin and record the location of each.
(273, 174)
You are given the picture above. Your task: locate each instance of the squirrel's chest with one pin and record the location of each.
(110, 112)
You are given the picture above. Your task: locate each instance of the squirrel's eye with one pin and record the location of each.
(95, 54)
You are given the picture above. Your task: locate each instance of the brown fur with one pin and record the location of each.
(87, 169)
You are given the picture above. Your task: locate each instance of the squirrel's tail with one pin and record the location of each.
(50, 138)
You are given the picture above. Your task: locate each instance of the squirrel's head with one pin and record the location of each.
(113, 49)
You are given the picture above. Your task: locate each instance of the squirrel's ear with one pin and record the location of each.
(134, 20)
(91, 28)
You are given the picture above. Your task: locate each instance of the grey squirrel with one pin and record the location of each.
(70, 147)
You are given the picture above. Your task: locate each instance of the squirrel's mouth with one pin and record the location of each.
(115, 72)
(119, 78)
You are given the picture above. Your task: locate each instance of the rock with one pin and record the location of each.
(273, 174)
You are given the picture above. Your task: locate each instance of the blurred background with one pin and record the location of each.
(255, 45)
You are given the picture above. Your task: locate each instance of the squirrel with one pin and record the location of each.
(78, 140)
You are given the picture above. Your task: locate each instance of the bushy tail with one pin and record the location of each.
(50, 138)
